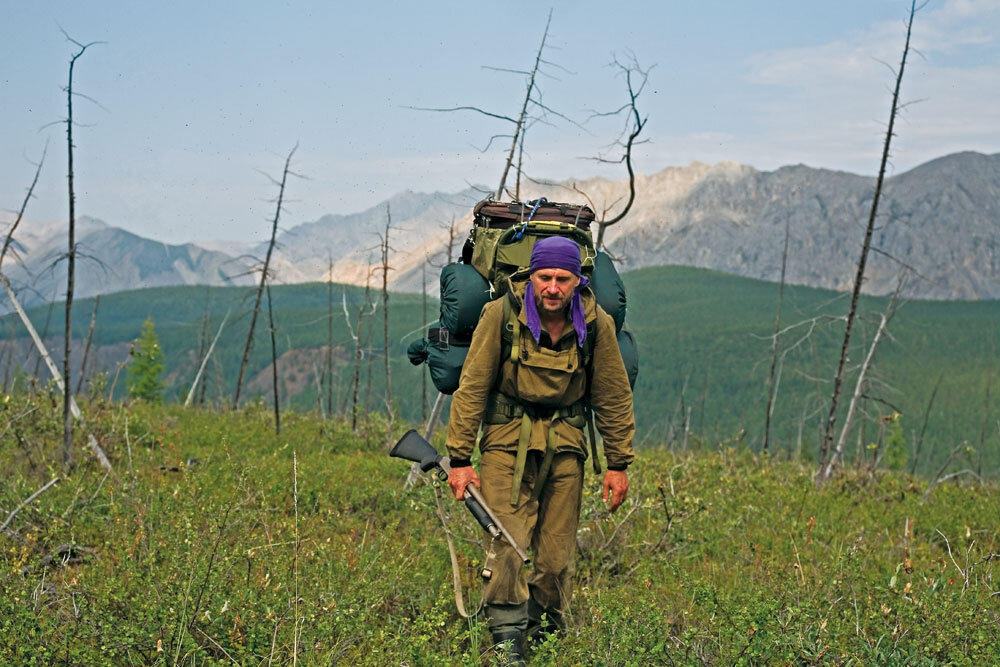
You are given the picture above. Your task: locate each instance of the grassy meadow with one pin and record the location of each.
(217, 542)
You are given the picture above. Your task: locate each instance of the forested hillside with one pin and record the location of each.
(704, 337)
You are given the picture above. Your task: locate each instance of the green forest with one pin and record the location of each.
(705, 349)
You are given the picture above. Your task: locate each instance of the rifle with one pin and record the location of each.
(413, 447)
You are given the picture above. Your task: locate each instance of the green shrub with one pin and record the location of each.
(716, 558)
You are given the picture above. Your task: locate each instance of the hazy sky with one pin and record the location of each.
(201, 97)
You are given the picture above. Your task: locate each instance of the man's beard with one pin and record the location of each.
(541, 306)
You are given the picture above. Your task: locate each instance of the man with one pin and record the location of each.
(529, 388)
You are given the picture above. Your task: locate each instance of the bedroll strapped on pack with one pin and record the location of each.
(463, 294)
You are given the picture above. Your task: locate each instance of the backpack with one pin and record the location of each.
(499, 248)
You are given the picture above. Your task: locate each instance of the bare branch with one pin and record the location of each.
(463, 108)
(24, 205)
(524, 109)
(490, 142)
(263, 279)
(505, 69)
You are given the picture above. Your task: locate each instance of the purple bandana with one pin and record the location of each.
(556, 252)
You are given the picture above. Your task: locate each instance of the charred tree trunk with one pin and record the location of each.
(70, 268)
(923, 428)
(385, 322)
(370, 360)
(520, 165)
(356, 380)
(86, 348)
(329, 342)
(774, 344)
(263, 280)
(423, 315)
(826, 446)
(274, 362)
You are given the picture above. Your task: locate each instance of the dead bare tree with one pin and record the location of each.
(923, 428)
(328, 371)
(70, 259)
(43, 352)
(204, 361)
(56, 375)
(274, 361)
(86, 347)
(826, 445)
(356, 379)
(370, 341)
(635, 82)
(520, 164)
(423, 315)
(859, 388)
(982, 431)
(355, 333)
(385, 268)
(204, 353)
(774, 343)
(530, 104)
(635, 79)
(263, 275)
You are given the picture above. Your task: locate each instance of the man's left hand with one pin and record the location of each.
(615, 481)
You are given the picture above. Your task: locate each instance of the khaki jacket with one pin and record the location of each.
(545, 376)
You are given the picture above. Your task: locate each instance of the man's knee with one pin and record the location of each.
(507, 617)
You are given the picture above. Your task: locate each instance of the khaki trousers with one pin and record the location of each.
(549, 525)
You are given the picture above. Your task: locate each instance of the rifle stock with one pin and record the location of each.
(413, 447)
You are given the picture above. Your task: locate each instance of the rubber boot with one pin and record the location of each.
(510, 644)
(542, 622)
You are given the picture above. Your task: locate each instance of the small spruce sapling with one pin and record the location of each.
(145, 366)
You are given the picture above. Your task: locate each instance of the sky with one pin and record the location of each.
(192, 106)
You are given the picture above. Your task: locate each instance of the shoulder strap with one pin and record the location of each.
(510, 330)
(510, 336)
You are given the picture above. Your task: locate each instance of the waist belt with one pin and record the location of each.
(501, 409)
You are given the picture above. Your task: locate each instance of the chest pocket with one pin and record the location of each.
(545, 376)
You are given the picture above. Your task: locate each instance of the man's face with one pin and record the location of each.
(553, 288)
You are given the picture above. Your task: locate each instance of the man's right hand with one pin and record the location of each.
(461, 478)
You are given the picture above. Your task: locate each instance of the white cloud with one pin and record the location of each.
(830, 102)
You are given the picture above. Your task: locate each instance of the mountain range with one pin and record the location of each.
(940, 220)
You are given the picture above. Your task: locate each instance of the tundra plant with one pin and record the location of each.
(145, 366)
